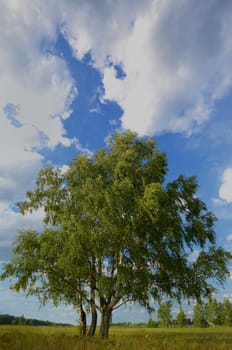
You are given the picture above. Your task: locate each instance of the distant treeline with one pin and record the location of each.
(205, 314)
(21, 320)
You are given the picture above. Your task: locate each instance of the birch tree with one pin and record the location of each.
(115, 231)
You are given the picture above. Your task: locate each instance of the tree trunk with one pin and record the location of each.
(93, 325)
(105, 322)
(83, 321)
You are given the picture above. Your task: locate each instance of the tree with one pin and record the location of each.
(226, 312)
(164, 314)
(199, 317)
(181, 318)
(151, 323)
(116, 232)
(212, 312)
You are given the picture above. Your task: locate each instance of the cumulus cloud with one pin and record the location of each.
(225, 190)
(36, 87)
(36, 93)
(37, 82)
(176, 58)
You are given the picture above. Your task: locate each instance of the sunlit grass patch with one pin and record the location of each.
(65, 338)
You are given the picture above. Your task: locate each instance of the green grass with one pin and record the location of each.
(59, 338)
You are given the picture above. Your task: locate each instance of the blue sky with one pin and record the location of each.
(74, 72)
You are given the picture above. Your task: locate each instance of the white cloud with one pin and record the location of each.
(37, 83)
(10, 223)
(176, 57)
(229, 237)
(36, 93)
(225, 190)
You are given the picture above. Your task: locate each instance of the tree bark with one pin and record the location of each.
(83, 324)
(105, 322)
(93, 324)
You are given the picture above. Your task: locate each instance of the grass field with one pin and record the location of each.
(63, 338)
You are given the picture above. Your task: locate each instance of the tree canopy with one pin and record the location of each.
(115, 231)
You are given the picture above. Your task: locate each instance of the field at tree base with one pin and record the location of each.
(54, 338)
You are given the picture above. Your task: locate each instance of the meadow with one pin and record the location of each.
(67, 338)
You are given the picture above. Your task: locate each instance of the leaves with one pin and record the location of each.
(114, 231)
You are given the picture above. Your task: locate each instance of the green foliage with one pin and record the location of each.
(199, 316)
(212, 312)
(116, 232)
(164, 314)
(6, 319)
(181, 318)
(152, 324)
(226, 312)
